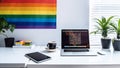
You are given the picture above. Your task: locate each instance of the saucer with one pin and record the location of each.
(50, 50)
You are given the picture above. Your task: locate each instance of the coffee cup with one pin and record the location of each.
(51, 45)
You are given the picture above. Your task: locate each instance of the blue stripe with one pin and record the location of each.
(34, 23)
(31, 19)
(36, 27)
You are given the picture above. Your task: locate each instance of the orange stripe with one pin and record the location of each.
(26, 5)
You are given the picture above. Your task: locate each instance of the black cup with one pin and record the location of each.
(51, 45)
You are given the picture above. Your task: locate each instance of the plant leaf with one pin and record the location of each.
(103, 19)
(97, 27)
(118, 31)
(99, 22)
(114, 26)
(12, 27)
(108, 20)
(94, 32)
(119, 24)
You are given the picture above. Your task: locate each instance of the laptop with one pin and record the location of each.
(75, 42)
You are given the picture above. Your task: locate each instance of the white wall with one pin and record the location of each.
(70, 14)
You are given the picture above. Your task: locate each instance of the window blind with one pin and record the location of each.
(99, 8)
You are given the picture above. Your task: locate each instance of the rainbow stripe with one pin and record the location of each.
(29, 13)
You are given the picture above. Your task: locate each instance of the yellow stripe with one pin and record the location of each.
(27, 8)
(29, 12)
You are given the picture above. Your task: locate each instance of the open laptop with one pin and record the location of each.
(76, 42)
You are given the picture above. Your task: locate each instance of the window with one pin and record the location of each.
(100, 8)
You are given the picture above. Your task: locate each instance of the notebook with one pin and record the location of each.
(37, 57)
(76, 42)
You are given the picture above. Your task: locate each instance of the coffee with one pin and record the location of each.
(51, 45)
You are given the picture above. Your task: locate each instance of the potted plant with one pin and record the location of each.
(116, 41)
(103, 27)
(4, 27)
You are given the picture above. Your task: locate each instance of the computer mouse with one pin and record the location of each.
(101, 53)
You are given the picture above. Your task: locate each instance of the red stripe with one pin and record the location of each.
(27, 5)
(27, 1)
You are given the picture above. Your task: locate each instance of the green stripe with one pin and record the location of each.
(28, 16)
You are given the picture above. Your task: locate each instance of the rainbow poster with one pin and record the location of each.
(29, 13)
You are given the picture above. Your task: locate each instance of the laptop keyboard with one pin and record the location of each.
(76, 50)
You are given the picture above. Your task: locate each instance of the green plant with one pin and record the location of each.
(116, 28)
(103, 26)
(5, 26)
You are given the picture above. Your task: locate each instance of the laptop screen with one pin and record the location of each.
(75, 38)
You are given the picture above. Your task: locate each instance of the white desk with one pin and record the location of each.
(14, 57)
(109, 60)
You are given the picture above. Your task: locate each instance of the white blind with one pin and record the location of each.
(100, 8)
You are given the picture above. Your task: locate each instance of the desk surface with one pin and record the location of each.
(16, 56)
(10, 57)
(57, 59)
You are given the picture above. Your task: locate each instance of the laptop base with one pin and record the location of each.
(88, 53)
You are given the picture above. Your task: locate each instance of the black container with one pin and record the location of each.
(51, 45)
(9, 42)
(116, 45)
(105, 43)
